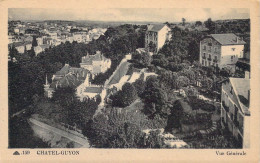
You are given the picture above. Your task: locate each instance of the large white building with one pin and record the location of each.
(235, 110)
(95, 63)
(157, 34)
(221, 50)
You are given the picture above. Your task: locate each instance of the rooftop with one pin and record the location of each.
(228, 39)
(70, 80)
(242, 88)
(93, 89)
(90, 58)
(155, 27)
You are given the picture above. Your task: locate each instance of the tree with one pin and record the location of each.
(207, 83)
(124, 97)
(151, 47)
(129, 94)
(168, 79)
(174, 119)
(34, 42)
(146, 59)
(160, 60)
(12, 52)
(139, 85)
(154, 98)
(182, 81)
(210, 25)
(32, 52)
(183, 21)
(114, 130)
(154, 140)
(193, 51)
(64, 96)
(191, 91)
(198, 23)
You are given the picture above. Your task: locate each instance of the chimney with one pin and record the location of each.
(237, 39)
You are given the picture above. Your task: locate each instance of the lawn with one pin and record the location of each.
(121, 71)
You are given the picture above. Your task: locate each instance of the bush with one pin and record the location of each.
(196, 104)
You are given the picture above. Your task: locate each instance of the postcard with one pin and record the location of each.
(129, 81)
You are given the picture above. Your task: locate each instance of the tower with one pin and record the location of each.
(86, 82)
(46, 85)
(47, 90)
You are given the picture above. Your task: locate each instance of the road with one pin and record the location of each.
(80, 140)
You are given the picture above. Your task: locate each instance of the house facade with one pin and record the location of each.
(157, 34)
(88, 90)
(67, 77)
(95, 63)
(221, 50)
(235, 112)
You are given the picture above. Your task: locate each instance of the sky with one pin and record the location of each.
(128, 14)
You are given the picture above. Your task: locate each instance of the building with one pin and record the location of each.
(156, 35)
(67, 77)
(53, 35)
(221, 50)
(19, 46)
(88, 90)
(39, 40)
(235, 112)
(95, 63)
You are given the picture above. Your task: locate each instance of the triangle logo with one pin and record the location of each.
(16, 153)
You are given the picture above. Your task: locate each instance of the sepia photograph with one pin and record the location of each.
(129, 78)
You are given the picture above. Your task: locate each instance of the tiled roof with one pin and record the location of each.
(17, 44)
(69, 77)
(155, 27)
(64, 70)
(70, 80)
(227, 39)
(93, 89)
(44, 46)
(90, 58)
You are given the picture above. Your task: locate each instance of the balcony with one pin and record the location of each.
(215, 60)
(236, 123)
(216, 52)
(225, 106)
(209, 59)
(203, 57)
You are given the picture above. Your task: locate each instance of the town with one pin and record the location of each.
(146, 85)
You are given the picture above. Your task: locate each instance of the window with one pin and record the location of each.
(202, 62)
(204, 54)
(209, 49)
(231, 116)
(215, 49)
(233, 49)
(209, 56)
(204, 47)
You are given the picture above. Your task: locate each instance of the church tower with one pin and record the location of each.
(47, 90)
(86, 82)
